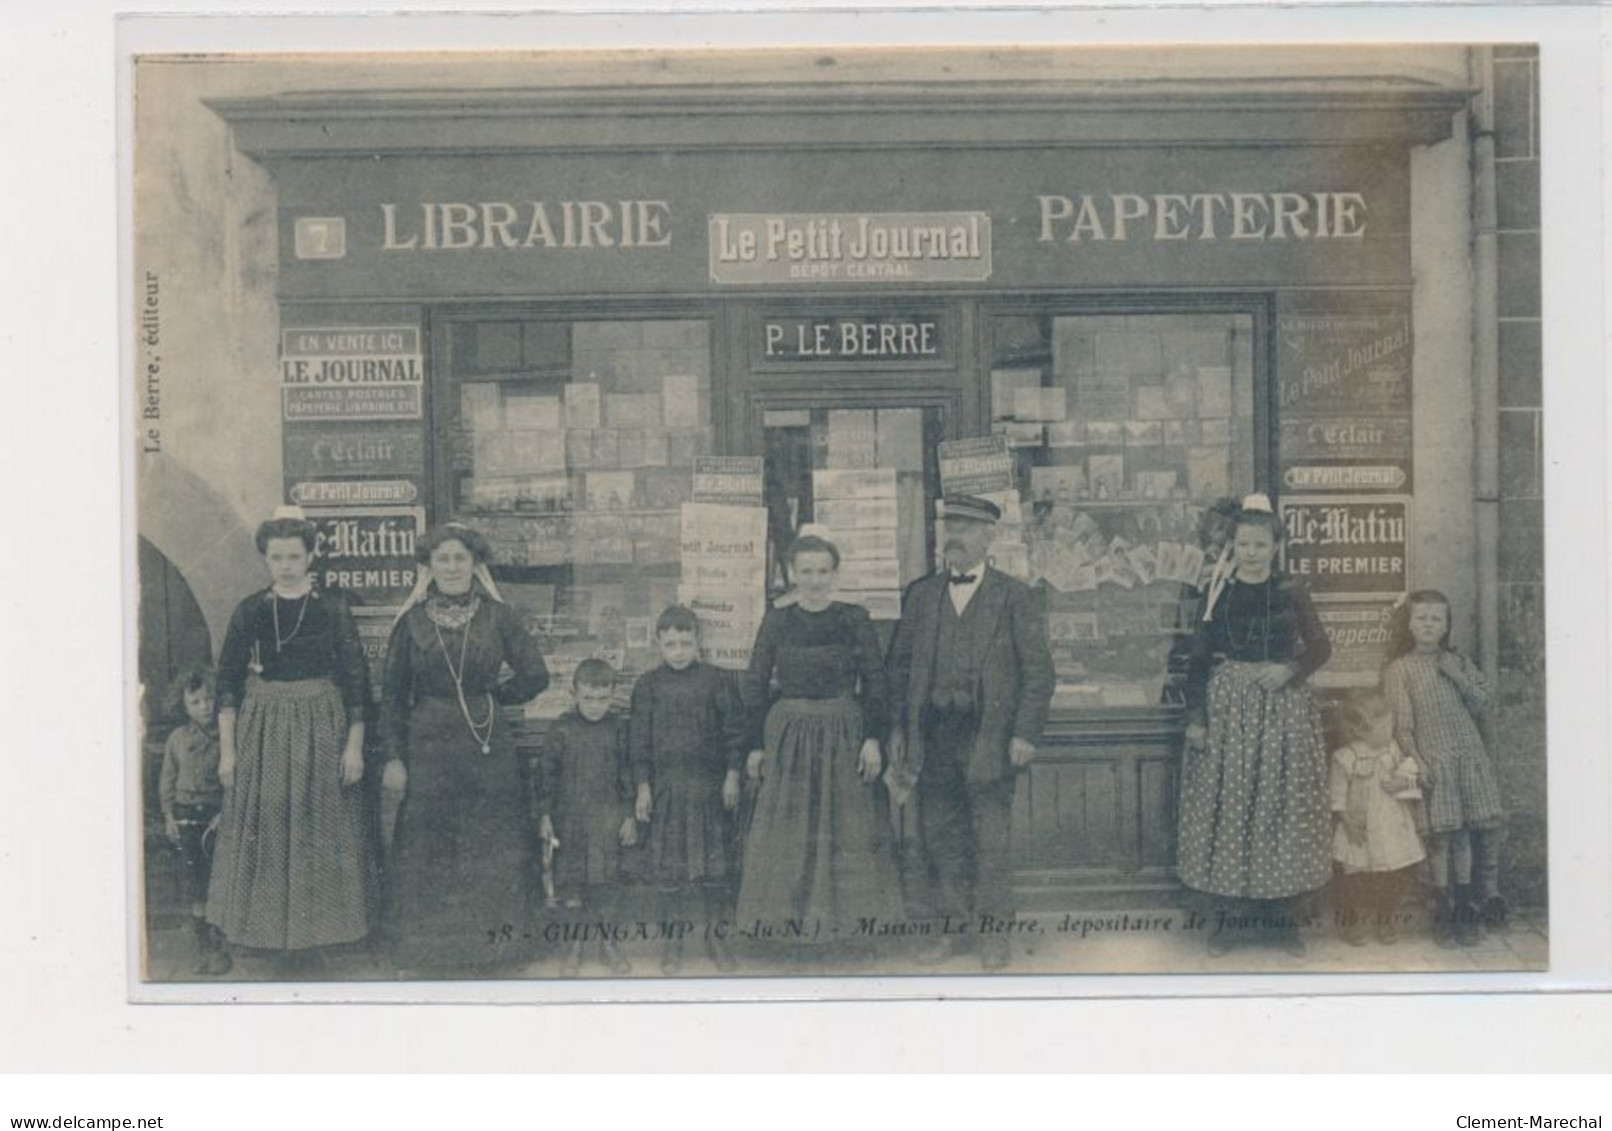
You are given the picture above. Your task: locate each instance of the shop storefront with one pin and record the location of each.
(639, 339)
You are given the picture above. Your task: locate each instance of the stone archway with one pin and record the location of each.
(173, 631)
(173, 635)
(204, 538)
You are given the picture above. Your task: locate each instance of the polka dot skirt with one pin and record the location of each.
(1254, 816)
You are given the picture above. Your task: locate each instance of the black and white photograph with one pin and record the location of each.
(867, 514)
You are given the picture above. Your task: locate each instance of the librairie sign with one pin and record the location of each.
(687, 220)
(856, 247)
(352, 373)
(854, 339)
(524, 225)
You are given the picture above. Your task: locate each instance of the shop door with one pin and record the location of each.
(863, 469)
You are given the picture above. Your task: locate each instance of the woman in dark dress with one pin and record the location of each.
(819, 849)
(1255, 819)
(292, 870)
(459, 877)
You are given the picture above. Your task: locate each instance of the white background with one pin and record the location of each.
(64, 979)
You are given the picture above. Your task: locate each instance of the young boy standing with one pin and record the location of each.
(687, 739)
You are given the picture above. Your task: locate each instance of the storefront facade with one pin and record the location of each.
(563, 315)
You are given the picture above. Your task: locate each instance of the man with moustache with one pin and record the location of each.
(971, 680)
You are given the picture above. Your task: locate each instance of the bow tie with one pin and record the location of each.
(964, 578)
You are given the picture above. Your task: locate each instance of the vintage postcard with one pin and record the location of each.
(524, 442)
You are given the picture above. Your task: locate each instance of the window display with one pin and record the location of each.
(868, 477)
(573, 448)
(1125, 430)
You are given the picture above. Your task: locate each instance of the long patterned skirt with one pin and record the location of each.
(293, 868)
(819, 847)
(1254, 806)
(459, 878)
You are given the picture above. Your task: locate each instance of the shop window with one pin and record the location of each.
(572, 449)
(865, 477)
(1126, 431)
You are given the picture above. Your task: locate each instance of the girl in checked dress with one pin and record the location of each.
(1437, 694)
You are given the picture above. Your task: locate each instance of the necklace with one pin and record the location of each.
(281, 641)
(450, 614)
(482, 732)
(1254, 628)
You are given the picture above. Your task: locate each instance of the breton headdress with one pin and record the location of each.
(1256, 503)
(422, 582)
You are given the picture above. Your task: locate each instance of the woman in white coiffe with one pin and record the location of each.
(460, 869)
(1256, 822)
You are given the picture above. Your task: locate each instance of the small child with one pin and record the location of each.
(582, 806)
(687, 738)
(1374, 841)
(191, 796)
(1436, 694)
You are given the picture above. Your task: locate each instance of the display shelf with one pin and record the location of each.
(1127, 432)
(571, 448)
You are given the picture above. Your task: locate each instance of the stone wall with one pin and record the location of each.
(1518, 728)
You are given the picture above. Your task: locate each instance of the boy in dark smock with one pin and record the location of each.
(582, 794)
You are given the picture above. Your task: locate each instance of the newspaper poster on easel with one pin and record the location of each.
(724, 567)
